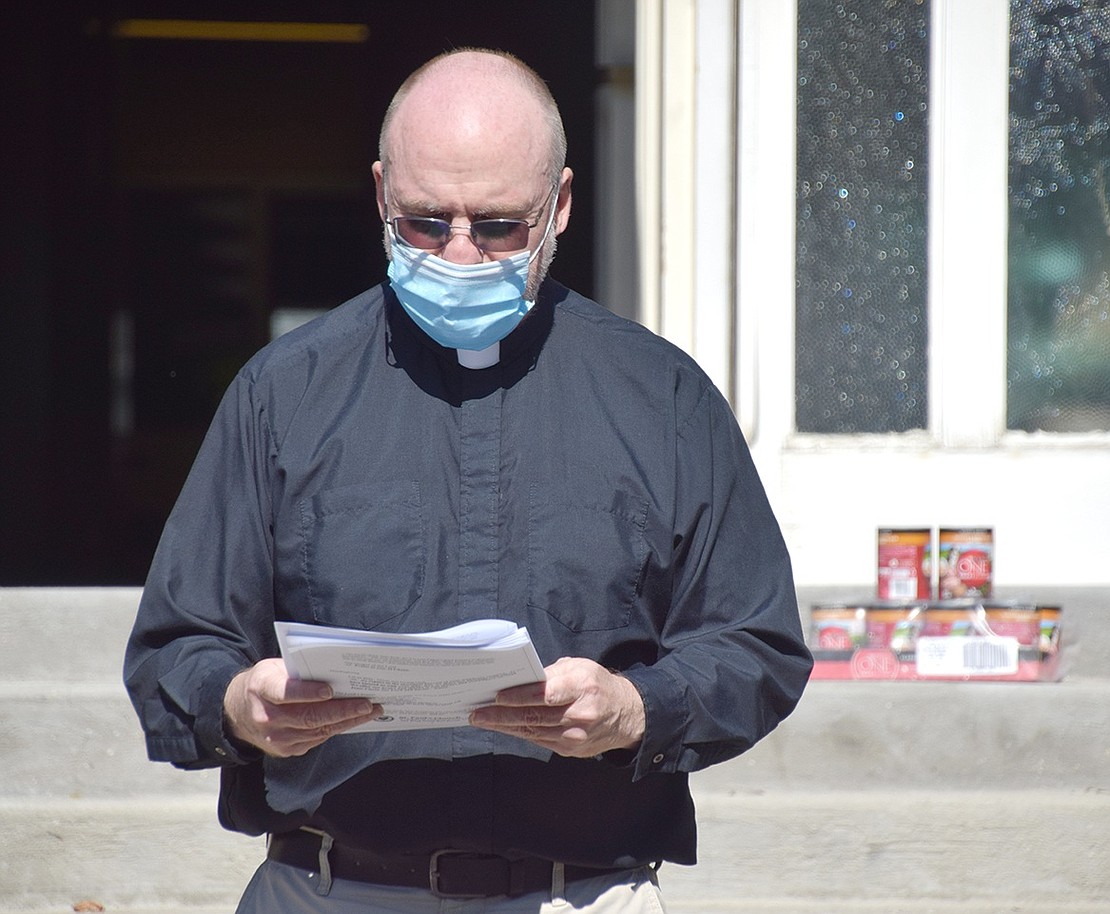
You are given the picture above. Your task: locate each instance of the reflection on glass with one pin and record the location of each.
(861, 296)
(1058, 368)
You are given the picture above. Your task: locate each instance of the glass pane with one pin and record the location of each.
(1059, 272)
(198, 310)
(861, 338)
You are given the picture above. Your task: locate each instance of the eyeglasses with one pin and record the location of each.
(490, 236)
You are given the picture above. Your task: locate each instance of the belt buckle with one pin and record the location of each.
(433, 876)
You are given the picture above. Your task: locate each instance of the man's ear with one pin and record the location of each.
(563, 201)
(379, 188)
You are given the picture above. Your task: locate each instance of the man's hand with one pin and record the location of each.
(284, 716)
(581, 710)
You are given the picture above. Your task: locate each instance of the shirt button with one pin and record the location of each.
(221, 751)
(657, 759)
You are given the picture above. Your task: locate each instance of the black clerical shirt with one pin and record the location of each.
(592, 486)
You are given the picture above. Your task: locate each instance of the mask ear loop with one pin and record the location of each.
(550, 222)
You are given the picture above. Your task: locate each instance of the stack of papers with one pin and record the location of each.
(424, 680)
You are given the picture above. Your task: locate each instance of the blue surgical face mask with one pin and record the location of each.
(460, 305)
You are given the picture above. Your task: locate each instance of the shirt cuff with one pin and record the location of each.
(211, 729)
(665, 719)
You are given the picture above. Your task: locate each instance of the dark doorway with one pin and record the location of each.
(167, 198)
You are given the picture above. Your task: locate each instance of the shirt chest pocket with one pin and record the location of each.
(363, 553)
(586, 562)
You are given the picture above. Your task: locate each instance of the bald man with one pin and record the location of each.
(470, 440)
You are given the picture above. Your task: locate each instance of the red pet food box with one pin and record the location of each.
(947, 640)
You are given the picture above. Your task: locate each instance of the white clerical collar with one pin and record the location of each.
(480, 358)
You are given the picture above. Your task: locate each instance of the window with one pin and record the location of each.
(1058, 333)
(862, 289)
(971, 444)
(862, 189)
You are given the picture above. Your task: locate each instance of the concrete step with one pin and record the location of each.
(876, 850)
(875, 906)
(61, 653)
(84, 740)
(901, 798)
(83, 630)
(734, 906)
(81, 741)
(999, 848)
(226, 906)
(65, 634)
(937, 735)
(152, 851)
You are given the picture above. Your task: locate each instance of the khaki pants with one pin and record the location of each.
(280, 889)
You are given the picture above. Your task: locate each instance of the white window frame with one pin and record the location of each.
(701, 147)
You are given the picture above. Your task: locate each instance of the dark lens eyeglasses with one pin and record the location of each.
(490, 236)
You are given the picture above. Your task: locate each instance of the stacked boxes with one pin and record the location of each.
(906, 634)
(947, 639)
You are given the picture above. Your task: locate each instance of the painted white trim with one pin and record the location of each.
(765, 263)
(678, 216)
(686, 176)
(969, 125)
(649, 100)
(714, 176)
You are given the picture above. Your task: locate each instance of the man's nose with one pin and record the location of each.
(460, 247)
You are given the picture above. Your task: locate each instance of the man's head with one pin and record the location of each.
(475, 134)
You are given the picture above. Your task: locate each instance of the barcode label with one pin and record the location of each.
(902, 588)
(967, 656)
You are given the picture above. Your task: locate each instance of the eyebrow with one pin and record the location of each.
(434, 210)
(418, 208)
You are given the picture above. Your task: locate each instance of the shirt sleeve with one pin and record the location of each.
(734, 661)
(207, 612)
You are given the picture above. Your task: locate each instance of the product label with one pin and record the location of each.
(967, 656)
(903, 567)
(965, 563)
(871, 663)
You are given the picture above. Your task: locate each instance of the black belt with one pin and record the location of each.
(446, 873)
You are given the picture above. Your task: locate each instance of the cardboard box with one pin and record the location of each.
(953, 640)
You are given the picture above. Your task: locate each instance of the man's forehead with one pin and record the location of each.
(468, 136)
(470, 106)
(492, 192)
(472, 164)
(426, 119)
